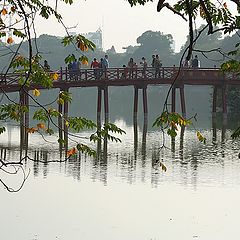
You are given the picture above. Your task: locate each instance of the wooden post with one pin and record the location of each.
(65, 128)
(145, 107)
(26, 117)
(135, 106)
(224, 128)
(173, 110)
(99, 123)
(214, 102)
(60, 121)
(214, 128)
(86, 76)
(106, 107)
(181, 143)
(183, 106)
(118, 75)
(144, 143)
(99, 103)
(67, 74)
(173, 99)
(224, 103)
(135, 130)
(61, 74)
(22, 119)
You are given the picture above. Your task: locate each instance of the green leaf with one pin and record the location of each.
(2, 34)
(80, 123)
(19, 33)
(85, 149)
(65, 96)
(67, 40)
(2, 130)
(172, 132)
(236, 133)
(70, 59)
(68, 1)
(61, 141)
(40, 115)
(49, 131)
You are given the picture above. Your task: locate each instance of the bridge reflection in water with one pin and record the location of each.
(136, 162)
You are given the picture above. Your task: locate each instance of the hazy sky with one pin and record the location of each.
(121, 23)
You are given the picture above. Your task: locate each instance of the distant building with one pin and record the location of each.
(173, 45)
(111, 50)
(95, 37)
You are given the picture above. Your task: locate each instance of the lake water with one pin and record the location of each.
(125, 195)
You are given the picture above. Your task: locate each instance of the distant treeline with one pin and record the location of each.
(150, 42)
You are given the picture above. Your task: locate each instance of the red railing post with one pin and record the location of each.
(61, 73)
(118, 73)
(66, 73)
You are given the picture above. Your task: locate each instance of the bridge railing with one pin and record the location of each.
(232, 76)
(115, 74)
(9, 79)
(112, 74)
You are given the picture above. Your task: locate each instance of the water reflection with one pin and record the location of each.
(137, 158)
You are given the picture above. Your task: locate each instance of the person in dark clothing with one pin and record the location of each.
(157, 66)
(153, 61)
(144, 66)
(130, 67)
(195, 62)
(70, 71)
(46, 66)
(101, 67)
(125, 72)
(75, 69)
(105, 65)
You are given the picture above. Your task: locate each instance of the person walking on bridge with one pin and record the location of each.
(157, 66)
(124, 72)
(195, 62)
(76, 69)
(153, 61)
(105, 64)
(144, 66)
(95, 67)
(46, 66)
(130, 67)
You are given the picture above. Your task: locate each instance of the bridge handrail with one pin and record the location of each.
(138, 73)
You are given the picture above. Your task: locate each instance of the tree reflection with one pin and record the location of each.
(136, 162)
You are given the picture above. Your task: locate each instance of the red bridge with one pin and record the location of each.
(126, 77)
(173, 76)
(137, 78)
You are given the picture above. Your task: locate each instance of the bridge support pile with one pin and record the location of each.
(24, 118)
(182, 99)
(99, 105)
(224, 101)
(144, 98)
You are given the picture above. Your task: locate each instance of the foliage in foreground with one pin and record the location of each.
(30, 72)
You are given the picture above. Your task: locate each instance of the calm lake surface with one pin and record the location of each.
(124, 195)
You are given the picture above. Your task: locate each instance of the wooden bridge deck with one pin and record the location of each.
(122, 77)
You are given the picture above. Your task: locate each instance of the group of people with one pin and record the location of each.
(74, 69)
(100, 67)
(195, 63)
(130, 69)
